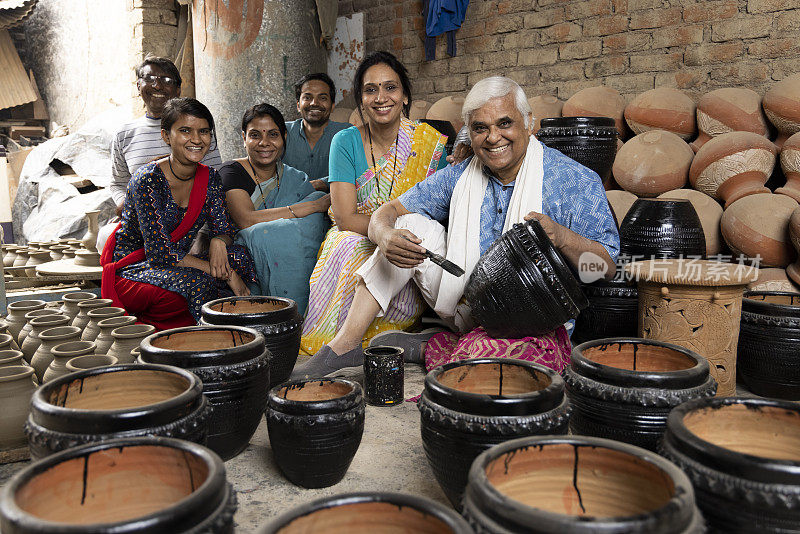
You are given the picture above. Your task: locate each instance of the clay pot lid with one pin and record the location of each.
(691, 272)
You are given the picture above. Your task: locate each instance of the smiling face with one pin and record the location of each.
(156, 93)
(499, 136)
(315, 104)
(263, 141)
(382, 96)
(189, 139)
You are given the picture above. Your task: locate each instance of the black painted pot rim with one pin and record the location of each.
(532, 403)
(755, 468)
(150, 353)
(206, 494)
(293, 407)
(427, 506)
(63, 419)
(680, 379)
(215, 317)
(547, 521)
(750, 305)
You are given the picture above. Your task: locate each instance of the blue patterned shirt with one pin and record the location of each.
(573, 196)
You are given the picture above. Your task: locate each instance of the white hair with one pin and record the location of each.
(495, 87)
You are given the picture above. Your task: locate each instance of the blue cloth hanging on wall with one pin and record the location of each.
(442, 16)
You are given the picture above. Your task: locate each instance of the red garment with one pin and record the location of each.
(153, 305)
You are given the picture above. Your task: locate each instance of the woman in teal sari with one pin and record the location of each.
(282, 218)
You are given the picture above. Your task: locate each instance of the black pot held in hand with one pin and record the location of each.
(383, 376)
(522, 286)
(591, 141)
(662, 228)
(315, 428)
(613, 311)
(469, 406)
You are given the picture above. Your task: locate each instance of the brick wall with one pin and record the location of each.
(561, 46)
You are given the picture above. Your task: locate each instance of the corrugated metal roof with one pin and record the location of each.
(15, 86)
(12, 12)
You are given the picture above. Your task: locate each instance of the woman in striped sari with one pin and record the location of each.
(369, 165)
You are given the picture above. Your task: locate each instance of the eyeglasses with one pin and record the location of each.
(151, 79)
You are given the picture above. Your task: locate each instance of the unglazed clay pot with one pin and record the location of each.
(368, 513)
(448, 109)
(12, 358)
(773, 279)
(790, 163)
(39, 324)
(26, 330)
(7, 342)
(598, 101)
(89, 240)
(743, 458)
(36, 258)
(91, 330)
(578, 484)
(624, 388)
(8, 254)
(730, 109)
(662, 108)
(22, 257)
(652, 163)
(733, 165)
(82, 319)
(106, 326)
(620, 202)
(544, 107)
(64, 352)
(71, 300)
(591, 141)
(710, 213)
(57, 252)
(793, 270)
(49, 338)
(90, 361)
(16, 388)
(15, 320)
(758, 225)
(127, 338)
(782, 106)
(132, 484)
(419, 110)
(662, 228)
(472, 405)
(122, 400)
(315, 428)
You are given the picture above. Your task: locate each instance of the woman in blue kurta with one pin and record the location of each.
(146, 265)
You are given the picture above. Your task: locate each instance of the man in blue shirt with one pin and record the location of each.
(512, 177)
(308, 139)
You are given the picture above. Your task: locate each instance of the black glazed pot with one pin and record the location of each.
(522, 286)
(233, 365)
(146, 485)
(472, 405)
(767, 358)
(315, 428)
(613, 311)
(624, 388)
(743, 458)
(591, 141)
(578, 484)
(276, 318)
(104, 403)
(368, 513)
(662, 228)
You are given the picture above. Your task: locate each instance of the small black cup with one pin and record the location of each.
(383, 376)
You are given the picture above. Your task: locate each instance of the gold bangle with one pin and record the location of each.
(292, 212)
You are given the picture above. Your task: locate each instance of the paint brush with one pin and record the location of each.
(442, 262)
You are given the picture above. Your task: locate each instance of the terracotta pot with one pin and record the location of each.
(12, 358)
(315, 428)
(275, 318)
(696, 304)
(89, 239)
(782, 106)
(742, 458)
(127, 338)
(773, 279)
(652, 163)
(16, 388)
(49, 338)
(90, 361)
(38, 324)
(106, 326)
(620, 202)
(662, 228)
(15, 319)
(793, 270)
(544, 107)
(448, 109)
(341, 114)
(710, 213)
(730, 109)
(511, 297)
(733, 165)
(613, 311)
(790, 163)
(624, 388)
(108, 402)
(758, 225)
(662, 108)
(472, 405)
(361, 513)
(578, 484)
(36, 258)
(419, 110)
(26, 330)
(64, 352)
(598, 101)
(82, 319)
(71, 300)
(95, 315)
(233, 364)
(143, 484)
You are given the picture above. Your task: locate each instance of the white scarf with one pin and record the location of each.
(463, 232)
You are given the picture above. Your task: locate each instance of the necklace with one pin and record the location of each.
(255, 175)
(394, 165)
(169, 162)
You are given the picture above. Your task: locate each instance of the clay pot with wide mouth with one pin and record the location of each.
(613, 311)
(276, 318)
(368, 513)
(578, 484)
(624, 388)
(71, 300)
(90, 361)
(769, 334)
(82, 319)
(26, 329)
(6, 341)
(36, 258)
(122, 400)
(63, 353)
(133, 484)
(106, 327)
(472, 405)
(662, 228)
(234, 367)
(92, 330)
(22, 257)
(11, 357)
(127, 338)
(15, 320)
(743, 458)
(315, 428)
(49, 338)
(38, 325)
(17, 385)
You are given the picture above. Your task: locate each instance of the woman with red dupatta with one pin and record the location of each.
(147, 268)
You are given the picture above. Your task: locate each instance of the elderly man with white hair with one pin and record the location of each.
(511, 177)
